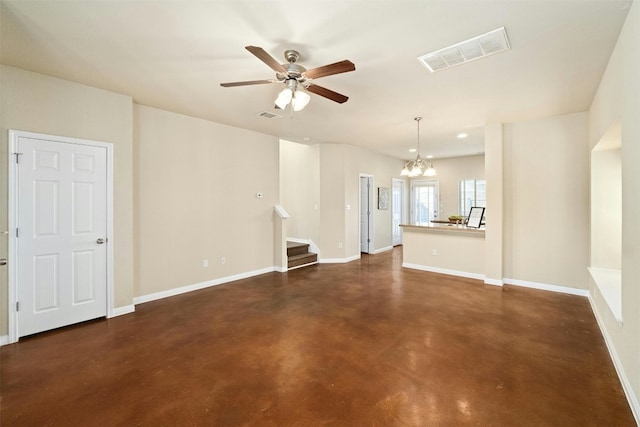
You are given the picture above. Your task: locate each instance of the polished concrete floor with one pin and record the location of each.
(360, 344)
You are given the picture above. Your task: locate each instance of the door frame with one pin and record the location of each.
(14, 136)
(371, 244)
(403, 205)
(429, 182)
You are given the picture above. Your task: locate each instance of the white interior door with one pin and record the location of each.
(397, 191)
(62, 225)
(366, 212)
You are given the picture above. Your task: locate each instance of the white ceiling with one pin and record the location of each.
(174, 54)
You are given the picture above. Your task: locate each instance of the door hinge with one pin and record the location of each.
(17, 232)
(17, 305)
(18, 157)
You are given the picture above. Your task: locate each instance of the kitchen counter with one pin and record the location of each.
(444, 248)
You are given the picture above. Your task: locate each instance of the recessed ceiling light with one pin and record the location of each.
(306, 138)
(430, 156)
(412, 150)
(462, 135)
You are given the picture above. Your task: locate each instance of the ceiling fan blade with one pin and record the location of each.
(263, 56)
(331, 69)
(327, 93)
(247, 83)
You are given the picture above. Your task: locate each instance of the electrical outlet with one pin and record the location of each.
(223, 260)
(435, 252)
(340, 245)
(205, 263)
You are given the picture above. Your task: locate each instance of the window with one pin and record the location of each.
(471, 192)
(424, 202)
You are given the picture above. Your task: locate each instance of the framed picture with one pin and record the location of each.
(475, 217)
(383, 198)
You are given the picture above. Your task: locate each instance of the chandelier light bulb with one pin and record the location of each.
(300, 100)
(284, 98)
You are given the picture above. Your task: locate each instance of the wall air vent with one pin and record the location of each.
(469, 50)
(268, 115)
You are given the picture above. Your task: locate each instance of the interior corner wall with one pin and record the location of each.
(300, 189)
(383, 169)
(195, 206)
(546, 201)
(450, 172)
(618, 97)
(332, 201)
(37, 103)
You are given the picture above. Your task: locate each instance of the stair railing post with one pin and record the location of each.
(280, 238)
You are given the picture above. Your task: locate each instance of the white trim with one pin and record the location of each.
(372, 206)
(119, 311)
(280, 269)
(197, 286)
(302, 265)
(4, 340)
(443, 271)
(385, 249)
(493, 282)
(609, 283)
(547, 287)
(14, 136)
(338, 260)
(617, 363)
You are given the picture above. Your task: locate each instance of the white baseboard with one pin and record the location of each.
(119, 311)
(196, 286)
(4, 340)
(444, 271)
(493, 282)
(302, 265)
(626, 384)
(338, 260)
(385, 249)
(546, 287)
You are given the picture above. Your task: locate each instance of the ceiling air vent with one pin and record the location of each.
(469, 50)
(268, 115)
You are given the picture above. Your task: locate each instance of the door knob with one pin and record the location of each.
(3, 261)
(100, 241)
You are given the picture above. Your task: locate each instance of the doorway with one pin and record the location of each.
(424, 201)
(366, 210)
(60, 216)
(397, 210)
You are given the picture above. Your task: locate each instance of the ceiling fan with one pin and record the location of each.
(295, 76)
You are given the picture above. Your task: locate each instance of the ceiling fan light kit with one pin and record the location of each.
(297, 79)
(419, 166)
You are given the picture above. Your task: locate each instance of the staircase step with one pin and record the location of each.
(302, 259)
(295, 248)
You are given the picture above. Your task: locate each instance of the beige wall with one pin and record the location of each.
(546, 201)
(37, 103)
(340, 169)
(606, 209)
(618, 98)
(459, 253)
(300, 189)
(196, 191)
(383, 168)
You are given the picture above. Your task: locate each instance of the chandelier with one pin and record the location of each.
(419, 166)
